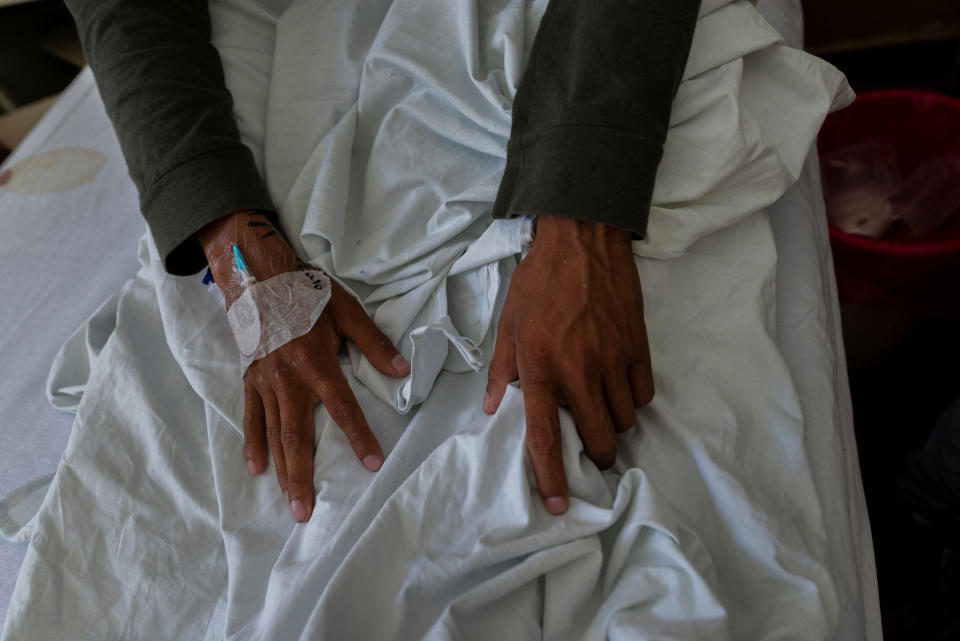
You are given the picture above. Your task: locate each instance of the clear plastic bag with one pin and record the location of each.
(930, 194)
(859, 183)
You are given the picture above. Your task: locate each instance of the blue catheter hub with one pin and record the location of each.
(241, 263)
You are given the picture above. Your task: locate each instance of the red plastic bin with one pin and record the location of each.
(901, 269)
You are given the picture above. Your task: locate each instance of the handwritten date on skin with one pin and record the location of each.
(317, 283)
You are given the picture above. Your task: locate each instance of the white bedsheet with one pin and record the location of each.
(810, 338)
(141, 377)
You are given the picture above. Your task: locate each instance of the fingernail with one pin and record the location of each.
(487, 404)
(556, 505)
(401, 365)
(252, 467)
(372, 462)
(299, 512)
(5, 177)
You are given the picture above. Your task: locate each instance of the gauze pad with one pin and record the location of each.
(272, 313)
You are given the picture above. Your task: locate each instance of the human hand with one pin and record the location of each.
(282, 388)
(572, 331)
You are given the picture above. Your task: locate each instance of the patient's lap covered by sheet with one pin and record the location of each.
(381, 128)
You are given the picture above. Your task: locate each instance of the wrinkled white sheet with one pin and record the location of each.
(810, 338)
(709, 526)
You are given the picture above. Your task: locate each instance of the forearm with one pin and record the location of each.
(592, 111)
(163, 86)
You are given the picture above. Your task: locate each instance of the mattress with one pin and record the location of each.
(90, 239)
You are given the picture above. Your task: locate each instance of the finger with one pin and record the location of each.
(641, 381)
(356, 325)
(339, 400)
(544, 447)
(589, 409)
(641, 370)
(254, 430)
(619, 397)
(503, 367)
(296, 439)
(272, 415)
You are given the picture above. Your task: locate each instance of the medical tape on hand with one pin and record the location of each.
(272, 313)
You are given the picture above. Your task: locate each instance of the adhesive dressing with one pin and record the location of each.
(271, 313)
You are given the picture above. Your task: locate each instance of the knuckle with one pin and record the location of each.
(541, 436)
(257, 377)
(290, 439)
(301, 354)
(341, 409)
(299, 478)
(274, 439)
(281, 377)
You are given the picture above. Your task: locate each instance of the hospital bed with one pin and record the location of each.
(64, 252)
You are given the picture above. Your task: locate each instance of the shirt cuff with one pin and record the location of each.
(196, 193)
(591, 173)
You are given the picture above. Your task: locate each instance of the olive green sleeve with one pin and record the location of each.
(162, 82)
(591, 114)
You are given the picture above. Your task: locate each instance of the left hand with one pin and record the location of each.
(572, 331)
(282, 388)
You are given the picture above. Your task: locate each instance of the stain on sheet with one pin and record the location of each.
(53, 171)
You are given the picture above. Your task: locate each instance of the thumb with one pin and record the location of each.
(503, 367)
(354, 323)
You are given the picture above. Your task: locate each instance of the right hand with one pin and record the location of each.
(282, 388)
